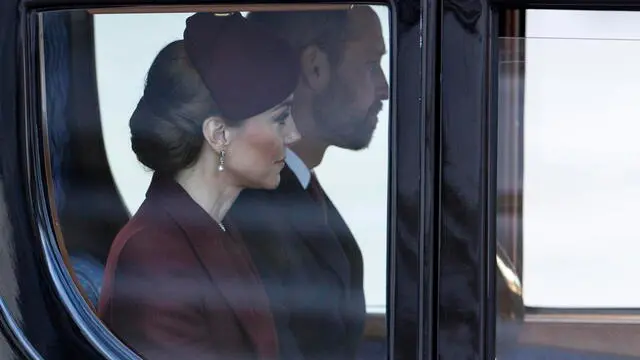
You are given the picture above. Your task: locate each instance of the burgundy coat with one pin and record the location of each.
(178, 287)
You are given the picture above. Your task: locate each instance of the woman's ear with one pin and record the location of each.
(315, 68)
(215, 133)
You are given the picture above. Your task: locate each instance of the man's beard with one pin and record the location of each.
(336, 126)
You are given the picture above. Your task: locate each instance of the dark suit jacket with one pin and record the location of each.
(178, 287)
(312, 269)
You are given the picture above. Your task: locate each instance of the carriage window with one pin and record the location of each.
(219, 175)
(569, 184)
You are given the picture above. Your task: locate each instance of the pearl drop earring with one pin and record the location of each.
(221, 161)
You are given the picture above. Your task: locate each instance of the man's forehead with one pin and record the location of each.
(364, 27)
(363, 21)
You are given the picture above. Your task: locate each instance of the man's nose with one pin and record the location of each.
(382, 87)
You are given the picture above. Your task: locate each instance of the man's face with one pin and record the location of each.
(346, 112)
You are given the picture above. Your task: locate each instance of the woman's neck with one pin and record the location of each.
(209, 189)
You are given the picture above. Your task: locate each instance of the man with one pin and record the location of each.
(307, 257)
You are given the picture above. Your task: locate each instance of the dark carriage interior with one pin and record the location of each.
(89, 208)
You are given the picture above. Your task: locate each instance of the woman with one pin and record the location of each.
(214, 119)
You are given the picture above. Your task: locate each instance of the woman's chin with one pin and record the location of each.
(273, 182)
(268, 182)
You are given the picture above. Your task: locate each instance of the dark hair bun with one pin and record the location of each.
(166, 126)
(160, 144)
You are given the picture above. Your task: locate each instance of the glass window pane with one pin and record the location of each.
(225, 186)
(568, 185)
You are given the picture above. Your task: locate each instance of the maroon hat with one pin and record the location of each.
(247, 68)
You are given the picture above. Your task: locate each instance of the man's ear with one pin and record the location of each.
(315, 68)
(215, 133)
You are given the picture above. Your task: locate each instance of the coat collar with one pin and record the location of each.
(226, 261)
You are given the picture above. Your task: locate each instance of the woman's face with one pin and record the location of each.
(256, 150)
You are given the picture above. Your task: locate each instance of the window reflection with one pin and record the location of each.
(238, 204)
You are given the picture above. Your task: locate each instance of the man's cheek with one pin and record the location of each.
(366, 97)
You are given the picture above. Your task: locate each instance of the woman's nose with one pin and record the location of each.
(291, 133)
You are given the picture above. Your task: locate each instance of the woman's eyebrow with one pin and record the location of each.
(286, 103)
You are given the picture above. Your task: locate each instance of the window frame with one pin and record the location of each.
(453, 30)
(80, 331)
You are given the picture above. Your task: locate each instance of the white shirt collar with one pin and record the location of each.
(300, 170)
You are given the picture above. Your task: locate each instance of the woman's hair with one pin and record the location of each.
(166, 126)
(226, 66)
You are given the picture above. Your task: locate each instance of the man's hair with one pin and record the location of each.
(328, 30)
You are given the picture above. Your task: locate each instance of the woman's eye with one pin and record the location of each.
(282, 118)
